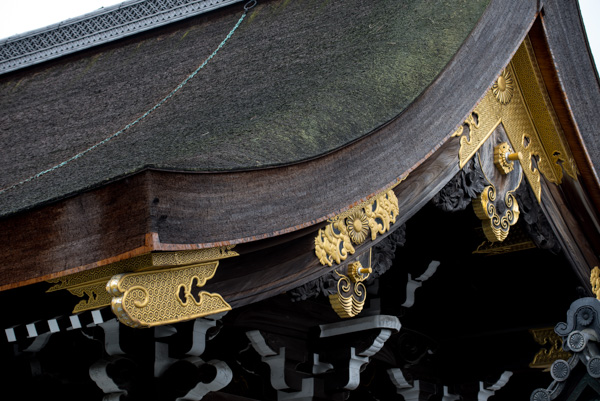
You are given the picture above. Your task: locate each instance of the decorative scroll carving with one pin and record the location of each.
(382, 258)
(334, 242)
(93, 282)
(350, 298)
(385, 252)
(595, 281)
(468, 147)
(529, 119)
(497, 206)
(164, 296)
(535, 222)
(546, 356)
(496, 224)
(466, 185)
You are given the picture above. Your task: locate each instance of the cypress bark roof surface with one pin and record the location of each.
(297, 80)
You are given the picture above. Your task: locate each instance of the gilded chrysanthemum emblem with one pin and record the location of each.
(504, 87)
(358, 226)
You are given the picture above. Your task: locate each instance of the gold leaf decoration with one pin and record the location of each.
(595, 281)
(92, 283)
(350, 298)
(504, 87)
(164, 296)
(334, 242)
(496, 226)
(546, 356)
(519, 101)
(358, 226)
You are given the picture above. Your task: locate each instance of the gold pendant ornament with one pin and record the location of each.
(352, 293)
(165, 296)
(497, 206)
(496, 224)
(595, 281)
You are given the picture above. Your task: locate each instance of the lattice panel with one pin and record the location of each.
(97, 28)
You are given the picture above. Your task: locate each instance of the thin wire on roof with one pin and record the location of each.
(249, 5)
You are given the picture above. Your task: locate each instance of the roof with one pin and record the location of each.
(104, 25)
(297, 80)
(299, 117)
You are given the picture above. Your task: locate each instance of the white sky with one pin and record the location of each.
(18, 16)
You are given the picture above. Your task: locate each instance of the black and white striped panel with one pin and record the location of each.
(62, 323)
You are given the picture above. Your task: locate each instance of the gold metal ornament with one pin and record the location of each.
(92, 283)
(357, 272)
(519, 101)
(358, 226)
(546, 356)
(164, 296)
(468, 147)
(595, 281)
(334, 242)
(495, 225)
(504, 87)
(351, 292)
(518, 240)
(350, 298)
(504, 158)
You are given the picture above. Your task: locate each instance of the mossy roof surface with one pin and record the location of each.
(298, 79)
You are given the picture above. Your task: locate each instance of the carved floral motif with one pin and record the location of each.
(334, 242)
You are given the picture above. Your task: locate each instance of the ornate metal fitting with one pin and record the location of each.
(351, 292)
(164, 296)
(92, 283)
(334, 242)
(350, 298)
(547, 356)
(519, 101)
(504, 87)
(497, 206)
(595, 281)
(496, 225)
(504, 158)
(358, 273)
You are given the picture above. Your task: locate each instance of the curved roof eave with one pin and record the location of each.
(213, 208)
(294, 83)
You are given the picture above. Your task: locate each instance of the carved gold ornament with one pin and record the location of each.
(164, 296)
(358, 226)
(496, 205)
(546, 356)
(595, 281)
(357, 272)
(92, 283)
(350, 298)
(504, 87)
(496, 225)
(519, 101)
(334, 242)
(504, 158)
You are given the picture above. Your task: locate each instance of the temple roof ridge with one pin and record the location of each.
(98, 27)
